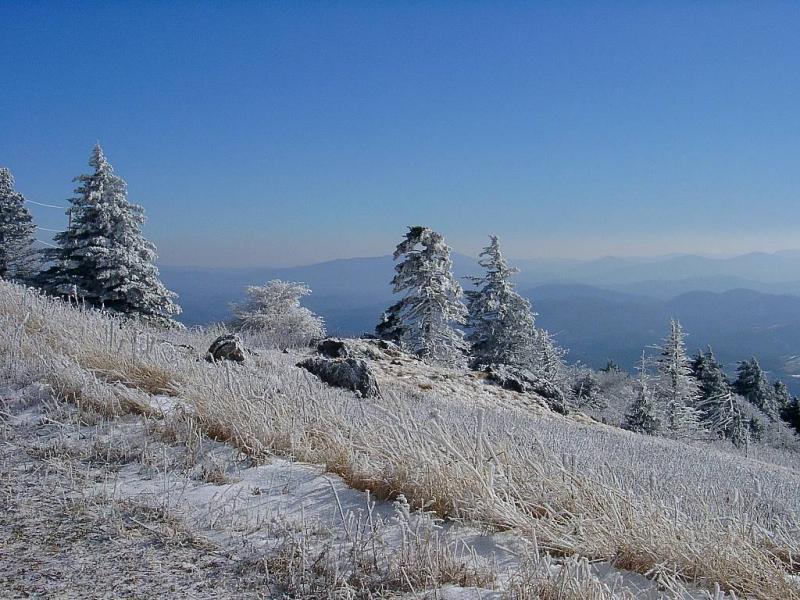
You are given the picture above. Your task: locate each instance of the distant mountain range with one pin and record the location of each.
(598, 309)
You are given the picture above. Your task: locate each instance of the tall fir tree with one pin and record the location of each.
(725, 416)
(426, 319)
(103, 258)
(17, 256)
(501, 322)
(752, 383)
(642, 416)
(791, 414)
(711, 379)
(676, 389)
(721, 412)
(781, 394)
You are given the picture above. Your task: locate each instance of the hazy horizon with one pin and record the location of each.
(512, 259)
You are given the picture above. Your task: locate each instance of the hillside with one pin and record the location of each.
(596, 321)
(597, 325)
(147, 442)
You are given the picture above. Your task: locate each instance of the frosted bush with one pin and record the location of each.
(273, 313)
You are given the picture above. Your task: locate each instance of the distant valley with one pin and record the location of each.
(609, 308)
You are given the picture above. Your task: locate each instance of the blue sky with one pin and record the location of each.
(284, 133)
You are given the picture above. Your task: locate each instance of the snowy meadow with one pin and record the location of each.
(682, 514)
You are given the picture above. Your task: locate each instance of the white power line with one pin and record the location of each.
(47, 244)
(46, 205)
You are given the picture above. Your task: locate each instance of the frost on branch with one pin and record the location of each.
(501, 322)
(274, 309)
(676, 389)
(103, 258)
(642, 416)
(425, 319)
(17, 256)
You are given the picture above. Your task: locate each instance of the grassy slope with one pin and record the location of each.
(649, 505)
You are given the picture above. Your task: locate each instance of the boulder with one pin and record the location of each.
(226, 347)
(357, 348)
(333, 348)
(348, 373)
(525, 381)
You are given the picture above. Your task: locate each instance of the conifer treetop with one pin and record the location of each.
(103, 258)
(425, 319)
(17, 256)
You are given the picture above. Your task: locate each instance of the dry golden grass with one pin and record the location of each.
(659, 511)
(130, 372)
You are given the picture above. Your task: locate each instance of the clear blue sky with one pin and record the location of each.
(283, 133)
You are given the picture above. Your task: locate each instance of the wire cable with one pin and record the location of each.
(46, 205)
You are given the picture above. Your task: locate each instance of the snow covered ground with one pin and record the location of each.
(226, 514)
(273, 482)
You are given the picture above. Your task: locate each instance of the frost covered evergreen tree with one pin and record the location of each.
(642, 416)
(723, 414)
(719, 409)
(676, 389)
(587, 392)
(781, 394)
(501, 323)
(17, 256)
(791, 414)
(611, 367)
(275, 309)
(711, 380)
(390, 328)
(752, 383)
(548, 358)
(103, 258)
(427, 316)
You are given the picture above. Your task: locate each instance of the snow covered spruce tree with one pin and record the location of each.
(548, 357)
(752, 383)
(711, 380)
(791, 414)
(781, 394)
(501, 323)
(274, 310)
(425, 319)
(390, 328)
(103, 259)
(642, 416)
(676, 389)
(724, 415)
(719, 409)
(17, 256)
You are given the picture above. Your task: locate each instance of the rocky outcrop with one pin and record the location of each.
(226, 347)
(348, 373)
(371, 349)
(525, 381)
(333, 348)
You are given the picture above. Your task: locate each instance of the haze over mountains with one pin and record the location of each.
(598, 309)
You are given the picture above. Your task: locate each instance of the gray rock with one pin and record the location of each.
(348, 373)
(226, 347)
(525, 381)
(333, 348)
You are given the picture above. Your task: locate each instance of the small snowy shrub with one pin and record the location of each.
(274, 312)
